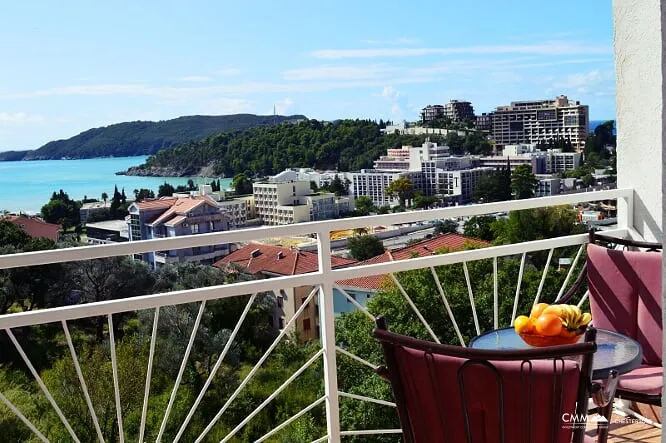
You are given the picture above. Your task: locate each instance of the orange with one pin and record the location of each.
(537, 310)
(548, 325)
(553, 309)
(523, 324)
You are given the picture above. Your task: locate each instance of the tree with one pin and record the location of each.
(165, 190)
(425, 201)
(536, 224)
(479, 227)
(123, 197)
(523, 182)
(364, 247)
(338, 186)
(142, 194)
(190, 185)
(364, 205)
(105, 197)
(401, 188)
(241, 184)
(446, 227)
(62, 210)
(313, 186)
(493, 187)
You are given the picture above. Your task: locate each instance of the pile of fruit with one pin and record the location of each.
(550, 325)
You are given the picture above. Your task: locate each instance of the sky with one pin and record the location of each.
(67, 66)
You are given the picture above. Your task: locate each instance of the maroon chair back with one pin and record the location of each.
(625, 296)
(461, 395)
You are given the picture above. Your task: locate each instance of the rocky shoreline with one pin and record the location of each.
(169, 171)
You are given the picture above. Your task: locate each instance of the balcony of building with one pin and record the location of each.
(117, 411)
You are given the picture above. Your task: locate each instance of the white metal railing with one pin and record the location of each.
(323, 282)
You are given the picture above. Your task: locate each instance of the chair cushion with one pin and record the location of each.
(625, 296)
(644, 380)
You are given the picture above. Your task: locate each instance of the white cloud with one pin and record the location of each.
(395, 41)
(544, 48)
(390, 92)
(283, 106)
(338, 72)
(228, 71)
(195, 79)
(19, 118)
(583, 80)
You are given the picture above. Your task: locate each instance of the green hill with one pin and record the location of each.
(345, 145)
(144, 137)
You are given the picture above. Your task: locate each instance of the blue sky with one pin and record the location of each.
(71, 65)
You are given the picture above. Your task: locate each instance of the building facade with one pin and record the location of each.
(175, 217)
(541, 121)
(454, 110)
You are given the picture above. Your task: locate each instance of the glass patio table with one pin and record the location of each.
(614, 351)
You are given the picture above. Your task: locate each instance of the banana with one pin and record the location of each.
(586, 319)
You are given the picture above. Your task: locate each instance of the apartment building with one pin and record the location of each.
(281, 202)
(431, 169)
(540, 121)
(557, 161)
(175, 217)
(547, 187)
(484, 122)
(454, 110)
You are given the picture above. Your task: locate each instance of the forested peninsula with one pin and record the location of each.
(343, 145)
(144, 137)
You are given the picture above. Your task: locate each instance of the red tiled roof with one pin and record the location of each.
(450, 242)
(35, 228)
(278, 260)
(163, 202)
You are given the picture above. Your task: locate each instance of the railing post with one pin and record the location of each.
(327, 321)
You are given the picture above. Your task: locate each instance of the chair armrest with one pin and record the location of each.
(604, 393)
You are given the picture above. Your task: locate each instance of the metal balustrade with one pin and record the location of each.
(323, 283)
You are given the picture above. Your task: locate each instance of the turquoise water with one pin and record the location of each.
(27, 185)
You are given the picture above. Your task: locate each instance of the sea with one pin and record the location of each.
(25, 186)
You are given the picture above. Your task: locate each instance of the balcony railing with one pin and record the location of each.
(322, 283)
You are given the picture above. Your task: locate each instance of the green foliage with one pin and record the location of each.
(479, 227)
(165, 190)
(536, 224)
(401, 188)
(523, 182)
(144, 137)
(345, 145)
(364, 205)
(142, 194)
(445, 227)
(62, 210)
(364, 247)
(241, 184)
(493, 187)
(425, 201)
(337, 186)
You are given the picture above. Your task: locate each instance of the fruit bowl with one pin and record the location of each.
(539, 341)
(552, 325)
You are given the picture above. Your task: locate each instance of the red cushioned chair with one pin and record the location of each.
(625, 296)
(460, 395)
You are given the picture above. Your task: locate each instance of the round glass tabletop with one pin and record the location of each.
(614, 351)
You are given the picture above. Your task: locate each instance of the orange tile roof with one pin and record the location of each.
(449, 241)
(35, 227)
(181, 206)
(162, 202)
(278, 260)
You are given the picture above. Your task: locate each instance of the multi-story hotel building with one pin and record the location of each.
(454, 110)
(541, 121)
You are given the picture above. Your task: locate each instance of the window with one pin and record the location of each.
(195, 228)
(306, 324)
(196, 250)
(211, 225)
(280, 301)
(281, 323)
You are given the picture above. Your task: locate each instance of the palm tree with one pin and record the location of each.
(105, 197)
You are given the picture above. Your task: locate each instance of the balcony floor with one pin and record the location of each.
(632, 432)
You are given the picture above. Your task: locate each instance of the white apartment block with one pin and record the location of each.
(542, 120)
(239, 210)
(373, 183)
(547, 187)
(557, 161)
(286, 202)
